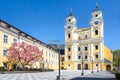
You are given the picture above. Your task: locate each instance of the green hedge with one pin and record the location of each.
(117, 76)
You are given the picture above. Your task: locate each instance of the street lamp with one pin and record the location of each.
(82, 67)
(92, 66)
(97, 67)
(42, 65)
(58, 41)
(101, 65)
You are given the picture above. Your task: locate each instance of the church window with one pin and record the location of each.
(62, 63)
(69, 35)
(78, 48)
(69, 20)
(85, 56)
(69, 57)
(62, 59)
(86, 36)
(96, 56)
(69, 49)
(85, 48)
(69, 65)
(79, 57)
(78, 37)
(96, 47)
(96, 15)
(96, 32)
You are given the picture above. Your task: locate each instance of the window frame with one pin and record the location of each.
(69, 35)
(96, 32)
(79, 56)
(78, 48)
(69, 57)
(5, 39)
(86, 48)
(96, 56)
(96, 47)
(86, 57)
(5, 52)
(15, 40)
(69, 48)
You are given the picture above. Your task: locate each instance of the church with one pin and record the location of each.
(84, 47)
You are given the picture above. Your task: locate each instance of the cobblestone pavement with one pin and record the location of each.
(69, 74)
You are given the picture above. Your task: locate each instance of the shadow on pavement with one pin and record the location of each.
(84, 78)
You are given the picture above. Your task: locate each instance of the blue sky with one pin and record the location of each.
(45, 19)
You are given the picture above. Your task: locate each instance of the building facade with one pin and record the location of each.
(84, 47)
(10, 34)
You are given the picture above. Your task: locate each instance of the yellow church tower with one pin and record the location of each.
(84, 47)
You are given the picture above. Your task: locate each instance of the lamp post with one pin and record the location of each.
(42, 65)
(58, 41)
(18, 42)
(92, 66)
(101, 65)
(97, 67)
(82, 67)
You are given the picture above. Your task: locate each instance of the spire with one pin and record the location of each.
(70, 12)
(96, 4)
(97, 8)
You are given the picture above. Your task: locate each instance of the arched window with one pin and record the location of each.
(69, 49)
(96, 32)
(96, 47)
(86, 48)
(86, 36)
(69, 35)
(86, 57)
(78, 56)
(78, 48)
(78, 37)
(69, 57)
(96, 56)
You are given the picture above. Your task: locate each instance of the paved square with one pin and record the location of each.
(69, 74)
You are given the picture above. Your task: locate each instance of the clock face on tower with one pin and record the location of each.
(69, 27)
(96, 22)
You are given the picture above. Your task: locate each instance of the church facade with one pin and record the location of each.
(84, 47)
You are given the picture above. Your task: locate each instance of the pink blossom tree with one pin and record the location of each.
(24, 54)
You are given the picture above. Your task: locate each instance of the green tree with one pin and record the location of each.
(116, 58)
